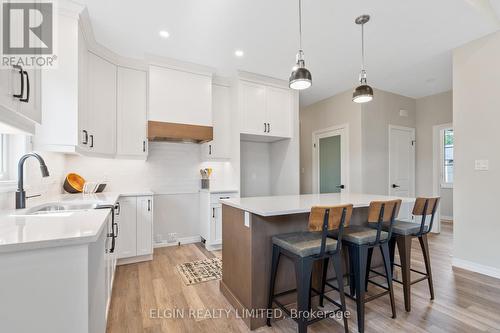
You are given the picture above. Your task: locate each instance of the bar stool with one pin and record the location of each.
(304, 248)
(402, 235)
(360, 242)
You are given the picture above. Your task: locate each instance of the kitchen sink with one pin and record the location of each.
(51, 208)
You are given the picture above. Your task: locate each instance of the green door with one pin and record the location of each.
(329, 165)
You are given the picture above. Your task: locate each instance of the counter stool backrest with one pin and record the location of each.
(389, 209)
(424, 207)
(317, 216)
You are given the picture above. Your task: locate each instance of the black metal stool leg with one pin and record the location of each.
(384, 248)
(392, 252)
(323, 281)
(360, 254)
(339, 273)
(303, 270)
(352, 264)
(274, 270)
(425, 250)
(368, 266)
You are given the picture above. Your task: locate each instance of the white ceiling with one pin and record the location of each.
(408, 43)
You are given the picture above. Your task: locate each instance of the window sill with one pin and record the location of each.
(447, 185)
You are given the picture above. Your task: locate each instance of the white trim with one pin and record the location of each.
(436, 169)
(182, 241)
(343, 131)
(133, 260)
(444, 217)
(412, 182)
(477, 268)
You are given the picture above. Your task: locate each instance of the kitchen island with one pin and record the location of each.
(248, 225)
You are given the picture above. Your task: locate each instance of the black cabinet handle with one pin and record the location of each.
(144, 146)
(85, 137)
(395, 186)
(117, 209)
(21, 73)
(265, 128)
(209, 149)
(149, 205)
(27, 99)
(91, 140)
(213, 212)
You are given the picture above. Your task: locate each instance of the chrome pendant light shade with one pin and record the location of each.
(363, 93)
(300, 78)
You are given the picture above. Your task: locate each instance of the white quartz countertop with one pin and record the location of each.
(295, 204)
(19, 231)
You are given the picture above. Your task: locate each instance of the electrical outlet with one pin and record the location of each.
(172, 237)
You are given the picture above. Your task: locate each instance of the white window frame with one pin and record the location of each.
(444, 183)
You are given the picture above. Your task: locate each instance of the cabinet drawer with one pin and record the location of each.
(215, 197)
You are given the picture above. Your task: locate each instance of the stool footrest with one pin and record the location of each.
(424, 277)
(411, 269)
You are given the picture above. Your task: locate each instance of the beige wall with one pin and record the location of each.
(432, 110)
(476, 115)
(376, 118)
(333, 111)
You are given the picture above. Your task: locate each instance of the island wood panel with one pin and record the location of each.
(246, 257)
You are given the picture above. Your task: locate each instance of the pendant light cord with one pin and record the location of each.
(363, 47)
(300, 25)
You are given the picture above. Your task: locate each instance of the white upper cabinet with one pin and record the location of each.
(101, 106)
(177, 96)
(253, 108)
(220, 146)
(131, 140)
(265, 111)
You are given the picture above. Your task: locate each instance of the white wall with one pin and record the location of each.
(171, 171)
(333, 111)
(255, 169)
(476, 115)
(382, 111)
(432, 110)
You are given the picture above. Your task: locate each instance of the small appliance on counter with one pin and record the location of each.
(205, 178)
(74, 183)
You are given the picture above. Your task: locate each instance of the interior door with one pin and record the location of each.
(401, 161)
(253, 105)
(330, 164)
(279, 112)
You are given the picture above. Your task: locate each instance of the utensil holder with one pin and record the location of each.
(205, 184)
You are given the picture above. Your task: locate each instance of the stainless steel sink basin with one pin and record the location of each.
(51, 208)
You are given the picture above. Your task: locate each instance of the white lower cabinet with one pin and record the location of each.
(135, 235)
(211, 217)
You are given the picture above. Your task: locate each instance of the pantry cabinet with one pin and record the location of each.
(220, 147)
(135, 237)
(265, 110)
(131, 136)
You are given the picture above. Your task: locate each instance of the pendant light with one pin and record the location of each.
(363, 93)
(300, 78)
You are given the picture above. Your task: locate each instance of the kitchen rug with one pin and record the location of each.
(200, 271)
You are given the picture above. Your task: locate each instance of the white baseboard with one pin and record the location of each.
(478, 268)
(133, 260)
(184, 240)
(449, 218)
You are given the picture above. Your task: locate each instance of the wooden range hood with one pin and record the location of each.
(174, 132)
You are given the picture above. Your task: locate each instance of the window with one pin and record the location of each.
(447, 161)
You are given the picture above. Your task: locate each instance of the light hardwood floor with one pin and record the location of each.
(465, 301)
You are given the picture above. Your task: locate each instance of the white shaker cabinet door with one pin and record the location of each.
(144, 225)
(131, 112)
(126, 242)
(279, 112)
(253, 108)
(101, 105)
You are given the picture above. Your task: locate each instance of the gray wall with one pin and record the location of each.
(376, 118)
(333, 111)
(476, 115)
(432, 110)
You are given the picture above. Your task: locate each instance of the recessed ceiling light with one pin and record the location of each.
(239, 53)
(164, 34)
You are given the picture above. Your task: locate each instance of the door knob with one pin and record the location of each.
(340, 186)
(395, 186)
